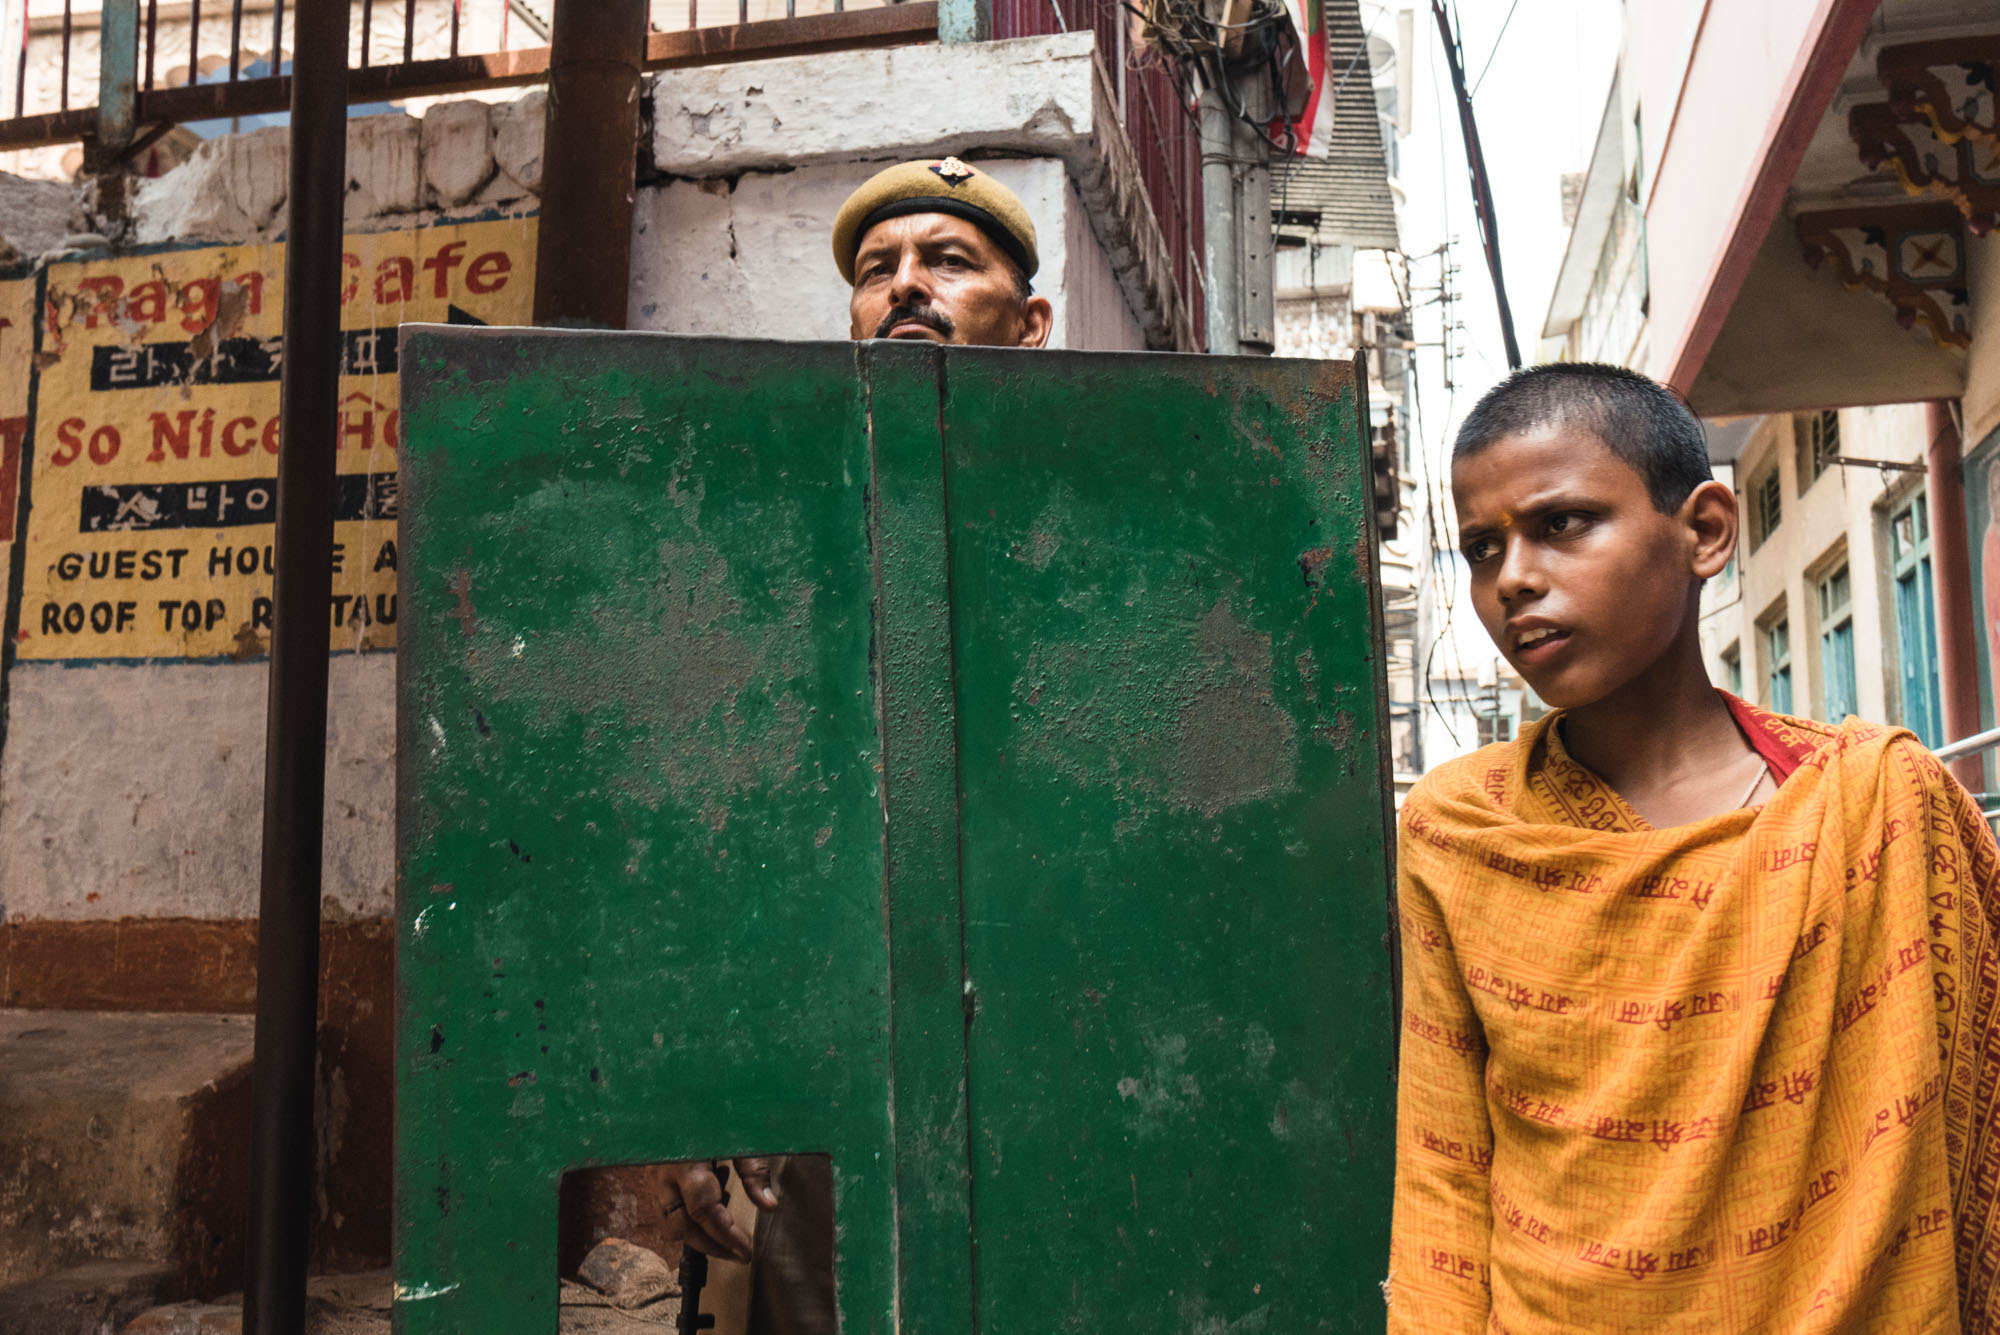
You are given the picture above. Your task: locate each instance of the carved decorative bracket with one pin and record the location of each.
(1912, 255)
(1965, 171)
(1949, 83)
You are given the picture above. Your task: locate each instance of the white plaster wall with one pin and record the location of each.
(752, 257)
(1031, 96)
(138, 790)
(1095, 315)
(1699, 85)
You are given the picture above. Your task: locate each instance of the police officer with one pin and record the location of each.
(940, 250)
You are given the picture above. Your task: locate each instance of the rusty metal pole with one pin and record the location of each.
(281, 1142)
(583, 253)
(117, 75)
(1951, 573)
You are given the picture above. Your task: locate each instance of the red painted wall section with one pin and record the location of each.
(1731, 132)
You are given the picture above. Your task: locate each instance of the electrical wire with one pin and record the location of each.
(1194, 45)
(1443, 559)
(1221, 81)
(1443, 577)
(1194, 42)
(1482, 190)
(1443, 581)
(1496, 45)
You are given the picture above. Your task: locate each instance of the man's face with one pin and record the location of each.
(936, 277)
(1580, 581)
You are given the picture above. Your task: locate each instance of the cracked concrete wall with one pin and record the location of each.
(134, 789)
(1031, 96)
(137, 790)
(460, 159)
(36, 217)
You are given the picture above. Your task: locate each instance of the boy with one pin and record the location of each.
(1697, 999)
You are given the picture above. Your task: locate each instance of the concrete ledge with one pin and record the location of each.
(121, 1139)
(1028, 97)
(85, 1300)
(51, 971)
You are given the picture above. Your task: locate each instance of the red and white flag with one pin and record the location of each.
(1312, 129)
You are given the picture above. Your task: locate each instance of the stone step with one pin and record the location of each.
(96, 1298)
(360, 1304)
(124, 1137)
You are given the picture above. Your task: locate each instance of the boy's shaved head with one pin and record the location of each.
(1642, 422)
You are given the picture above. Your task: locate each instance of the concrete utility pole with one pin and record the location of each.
(1236, 221)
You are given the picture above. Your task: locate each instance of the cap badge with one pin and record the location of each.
(952, 172)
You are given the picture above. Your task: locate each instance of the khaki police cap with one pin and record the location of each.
(935, 185)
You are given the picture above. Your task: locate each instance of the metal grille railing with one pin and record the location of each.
(198, 59)
(1165, 136)
(1977, 745)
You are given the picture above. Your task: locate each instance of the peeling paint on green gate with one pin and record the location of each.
(966, 762)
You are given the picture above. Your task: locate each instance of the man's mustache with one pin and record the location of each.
(930, 317)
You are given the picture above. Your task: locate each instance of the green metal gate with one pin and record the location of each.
(968, 763)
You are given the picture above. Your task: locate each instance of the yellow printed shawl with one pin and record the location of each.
(1728, 1077)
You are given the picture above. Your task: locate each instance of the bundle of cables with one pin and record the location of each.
(1212, 53)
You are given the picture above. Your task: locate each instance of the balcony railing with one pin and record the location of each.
(196, 60)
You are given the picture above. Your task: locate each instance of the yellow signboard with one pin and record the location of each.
(17, 350)
(149, 528)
